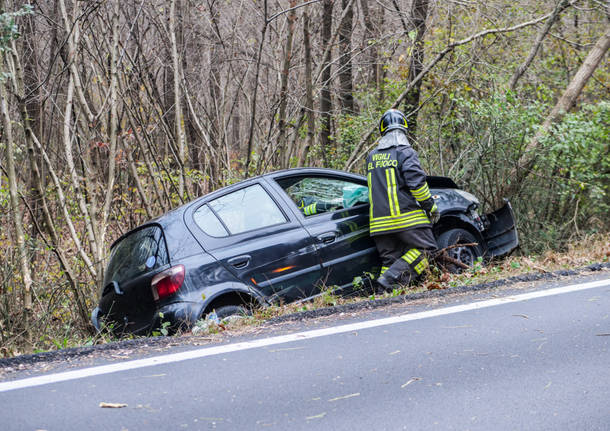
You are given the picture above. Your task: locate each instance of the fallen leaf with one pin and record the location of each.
(320, 416)
(357, 394)
(434, 286)
(112, 405)
(414, 379)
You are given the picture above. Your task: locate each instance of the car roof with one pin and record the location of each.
(165, 219)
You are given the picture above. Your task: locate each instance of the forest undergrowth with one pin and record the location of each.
(58, 334)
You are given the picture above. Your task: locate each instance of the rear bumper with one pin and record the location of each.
(180, 315)
(501, 234)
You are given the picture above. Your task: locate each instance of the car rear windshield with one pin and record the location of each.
(139, 252)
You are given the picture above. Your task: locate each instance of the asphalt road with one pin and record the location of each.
(536, 364)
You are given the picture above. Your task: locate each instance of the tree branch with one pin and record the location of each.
(356, 153)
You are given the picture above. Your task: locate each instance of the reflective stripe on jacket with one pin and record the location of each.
(310, 206)
(396, 184)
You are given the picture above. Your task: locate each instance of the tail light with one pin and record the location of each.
(166, 283)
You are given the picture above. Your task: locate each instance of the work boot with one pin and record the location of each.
(399, 273)
(385, 284)
(389, 279)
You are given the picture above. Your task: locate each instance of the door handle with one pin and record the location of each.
(327, 237)
(239, 261)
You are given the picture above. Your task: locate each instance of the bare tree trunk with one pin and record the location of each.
(75, 182)
(133, 170)
(311, 125)
(16, 214)
(405, 27)
(370, 46)
(114, 125)
(215, 124)
(73, 34)
(179, 119)
(325, 93)
(33, 108)
(564, 104)
(381, 70)
(284, 154)
(89, 216)
(256, 84)
(560, 7)
(568, 99)
(345, 59)
(419, 13)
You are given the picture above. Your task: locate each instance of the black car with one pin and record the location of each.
(274, 238)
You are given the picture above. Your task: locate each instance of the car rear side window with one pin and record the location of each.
(138, 253)
(247, 209)
(208, 222)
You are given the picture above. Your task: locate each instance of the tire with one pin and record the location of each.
(466, 255)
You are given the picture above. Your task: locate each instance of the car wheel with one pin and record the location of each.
(467, 254)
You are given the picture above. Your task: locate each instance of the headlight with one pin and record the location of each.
(468, 196)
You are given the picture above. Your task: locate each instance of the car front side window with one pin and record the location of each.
(314, 195)
(247, 209)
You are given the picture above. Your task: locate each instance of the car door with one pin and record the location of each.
(264, 246)
(339, 223)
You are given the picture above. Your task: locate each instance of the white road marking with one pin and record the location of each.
(217, 350)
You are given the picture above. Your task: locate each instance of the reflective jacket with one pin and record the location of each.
(397, 186)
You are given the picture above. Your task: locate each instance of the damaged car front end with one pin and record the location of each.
(495, 233)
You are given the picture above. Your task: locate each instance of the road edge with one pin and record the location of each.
(77, 352)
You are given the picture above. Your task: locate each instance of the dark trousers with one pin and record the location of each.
(404, 254)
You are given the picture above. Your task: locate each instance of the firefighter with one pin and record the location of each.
(402, 210)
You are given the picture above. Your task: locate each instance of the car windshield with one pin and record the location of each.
(137, 253)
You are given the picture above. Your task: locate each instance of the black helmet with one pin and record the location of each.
(392, 119)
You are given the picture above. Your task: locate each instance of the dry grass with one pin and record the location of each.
(591, 249)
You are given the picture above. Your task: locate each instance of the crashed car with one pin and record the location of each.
(275, 238)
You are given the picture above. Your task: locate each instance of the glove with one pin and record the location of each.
(431, 210)
(434, 214)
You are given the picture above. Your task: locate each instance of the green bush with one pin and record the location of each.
(478, 142)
